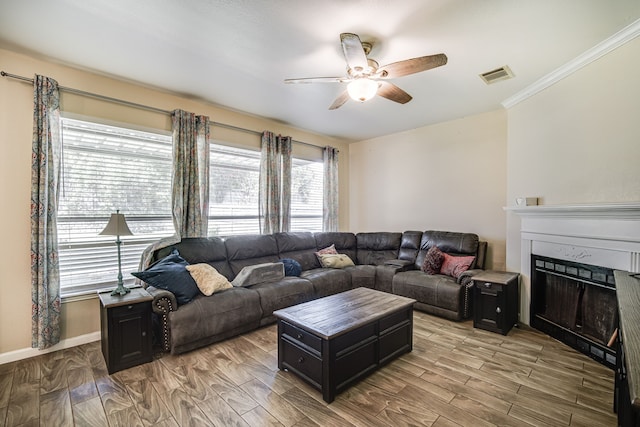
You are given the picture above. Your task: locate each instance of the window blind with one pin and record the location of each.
(106, 168)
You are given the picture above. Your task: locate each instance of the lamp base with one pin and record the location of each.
(120, 290)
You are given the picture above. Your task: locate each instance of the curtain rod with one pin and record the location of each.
(141, 106)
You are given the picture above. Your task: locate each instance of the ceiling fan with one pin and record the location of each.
(366, 78)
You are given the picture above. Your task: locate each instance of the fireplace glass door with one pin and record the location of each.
(576, 304)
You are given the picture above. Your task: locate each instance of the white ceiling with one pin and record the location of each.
(236, 53)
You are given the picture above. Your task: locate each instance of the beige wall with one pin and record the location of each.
(576, 142)
(16, 110)
(449, 176)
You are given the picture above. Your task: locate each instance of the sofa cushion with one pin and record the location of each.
(449, 242)
(250, 250)
(283, 293)
(335, 260)
(454, 266)
(300, 246)
(433, 261)
(345, 243)
(259, 273)
(376, 248)
(207, 278)
(328, 281)
(291, 267)
(409, 245)
(205, 318)
(362, 276)
(436, 290)
(195, 250)
(170, 274)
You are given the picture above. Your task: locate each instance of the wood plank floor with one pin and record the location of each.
(456, 375)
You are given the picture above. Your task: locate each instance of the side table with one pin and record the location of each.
(495, 301)
(125, 323)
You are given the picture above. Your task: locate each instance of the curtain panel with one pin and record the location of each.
(275, 183)
(330, 205)
(190, 183)
(45, 178)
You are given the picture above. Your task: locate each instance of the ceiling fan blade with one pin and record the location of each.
(318, 80)
(353, 52)
(393, 93)
(411, 66)
(340, 100)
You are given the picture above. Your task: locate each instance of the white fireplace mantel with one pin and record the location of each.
(606, 235)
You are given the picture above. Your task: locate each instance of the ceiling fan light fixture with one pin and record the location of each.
(362, 89)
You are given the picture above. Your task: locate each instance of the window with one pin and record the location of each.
(106, 168)
(234, 192)
(306, 195)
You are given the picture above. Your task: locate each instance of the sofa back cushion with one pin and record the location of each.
(453, 243)
(196, 250)
(376, 248)
(410, 245)
(345, 243)
(249, 250)
(300, 246)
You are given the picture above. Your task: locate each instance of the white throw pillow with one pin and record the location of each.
(335, 260)
(208, 279)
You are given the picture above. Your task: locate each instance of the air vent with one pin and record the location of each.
(502, 73)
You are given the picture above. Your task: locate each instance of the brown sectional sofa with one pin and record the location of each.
(385, 261)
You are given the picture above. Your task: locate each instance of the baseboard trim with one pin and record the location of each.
(26, 353)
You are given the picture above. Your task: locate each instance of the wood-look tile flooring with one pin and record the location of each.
(456, 375)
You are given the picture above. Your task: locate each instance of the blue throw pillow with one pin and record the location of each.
(291, 267)
(170, 273)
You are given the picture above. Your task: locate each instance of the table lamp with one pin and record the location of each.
(117, 226)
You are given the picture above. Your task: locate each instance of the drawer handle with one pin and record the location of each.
(300, 359)
(487, 285)
(129, 307)
(299, 336)
(498, 310)
(144, 333)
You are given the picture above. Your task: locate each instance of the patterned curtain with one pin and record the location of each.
(45, 177)
(330, 205)
(275, 183)
(190, 196)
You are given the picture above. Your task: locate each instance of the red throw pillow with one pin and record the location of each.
(454, 266)
(433, 261)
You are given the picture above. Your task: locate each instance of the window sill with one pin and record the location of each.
(79, 297)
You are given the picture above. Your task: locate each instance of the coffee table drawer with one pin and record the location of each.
(396, 341)
(395, 319)
(302, 362)
(356, 363)
(301, 336)
(344, 342)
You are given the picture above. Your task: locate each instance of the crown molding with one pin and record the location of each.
(620, 38)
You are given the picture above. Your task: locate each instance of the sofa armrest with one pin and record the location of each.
(466, 280)
(400, 264)
(163, 303)
(467, 276)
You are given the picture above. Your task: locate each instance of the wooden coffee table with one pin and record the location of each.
(335, 341)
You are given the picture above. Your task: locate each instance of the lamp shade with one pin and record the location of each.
(362, 89)
(117, 226)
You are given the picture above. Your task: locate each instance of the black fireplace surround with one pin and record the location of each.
(576, 304)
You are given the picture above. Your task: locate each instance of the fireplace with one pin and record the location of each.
(576, 304)
(568, 254)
